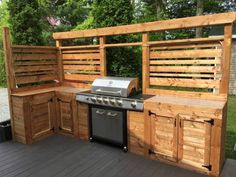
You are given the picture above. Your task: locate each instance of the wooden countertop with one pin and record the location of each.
(50, 89)
(187, 101)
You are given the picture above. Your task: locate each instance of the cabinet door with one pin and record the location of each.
(195, 142)
(42, 113)
(163, 137)
(65, 112)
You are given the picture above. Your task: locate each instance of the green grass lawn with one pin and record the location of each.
(231, 127)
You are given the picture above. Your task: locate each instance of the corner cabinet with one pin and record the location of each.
(33, 117)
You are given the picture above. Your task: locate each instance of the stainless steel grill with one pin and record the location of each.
(108, 101)
(118, 92)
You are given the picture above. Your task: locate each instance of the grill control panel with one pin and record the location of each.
(104, 100)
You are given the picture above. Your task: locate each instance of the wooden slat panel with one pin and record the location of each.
(194, 83)
(187, 53)
(81, 77)
(34, 56)
(32, 79)
(81, 67)
(80, 47)
(80, 56)
(204, 69)
(34, 68)
(192, 61)
(189, 22)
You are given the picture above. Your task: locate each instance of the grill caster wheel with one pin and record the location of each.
(125, 149)
(91, 139)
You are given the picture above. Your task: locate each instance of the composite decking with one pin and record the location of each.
(64, 156)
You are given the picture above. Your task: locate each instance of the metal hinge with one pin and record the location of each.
(209, 167)
(151, 113)
(51, 100)
(151, 152)
(211, 121)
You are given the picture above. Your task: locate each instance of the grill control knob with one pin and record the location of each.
(112, 101)
(119, 102)
(134, 104)
(99, 100)
(105, 100)
(93, 99)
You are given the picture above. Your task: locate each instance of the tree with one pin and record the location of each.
(199, 31)
(121, 61)
(4, 16)
(26, 22)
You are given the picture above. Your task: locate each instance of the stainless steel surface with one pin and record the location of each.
(115, 86)
(107, 124)
(111, 101)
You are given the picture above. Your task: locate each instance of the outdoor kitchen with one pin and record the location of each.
(65, 90)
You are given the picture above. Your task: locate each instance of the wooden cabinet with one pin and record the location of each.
(183, 139)
(194, 142)
(33, 117)
(65, 112)
(163, 135)
(42, 115)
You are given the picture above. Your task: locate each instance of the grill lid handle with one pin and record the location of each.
(108, 92)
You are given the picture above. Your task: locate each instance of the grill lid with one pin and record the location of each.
(115, 86)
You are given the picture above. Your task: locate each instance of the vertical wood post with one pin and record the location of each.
(102, 41)
(224, 85)
(9, 72)
(60, 64)
(145, 61)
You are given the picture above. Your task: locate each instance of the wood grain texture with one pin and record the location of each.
(190, 22)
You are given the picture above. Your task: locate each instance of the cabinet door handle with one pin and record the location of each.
(112, 114)
(100, 112)
(180, 123)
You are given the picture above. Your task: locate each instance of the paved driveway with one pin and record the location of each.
(4, 109)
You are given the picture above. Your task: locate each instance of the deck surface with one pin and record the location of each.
(64, 156)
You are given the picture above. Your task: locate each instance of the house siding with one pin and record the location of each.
(232, 82)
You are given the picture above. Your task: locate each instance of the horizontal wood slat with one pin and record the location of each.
(33, 79)
(187, 53)
(81, 77)
(83, 62)
(34, 68)
(179, 42)
(81, 67)
(193, 83)
(80, 56)
(34, 56)
(185, 75)
(35, 63)
(192, 61)
(203, 69)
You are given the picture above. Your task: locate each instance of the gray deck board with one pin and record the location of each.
(62, 156)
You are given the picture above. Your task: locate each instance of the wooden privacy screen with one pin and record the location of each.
(34, 65)
(190, 65)
(187, 64)
(81, 65)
